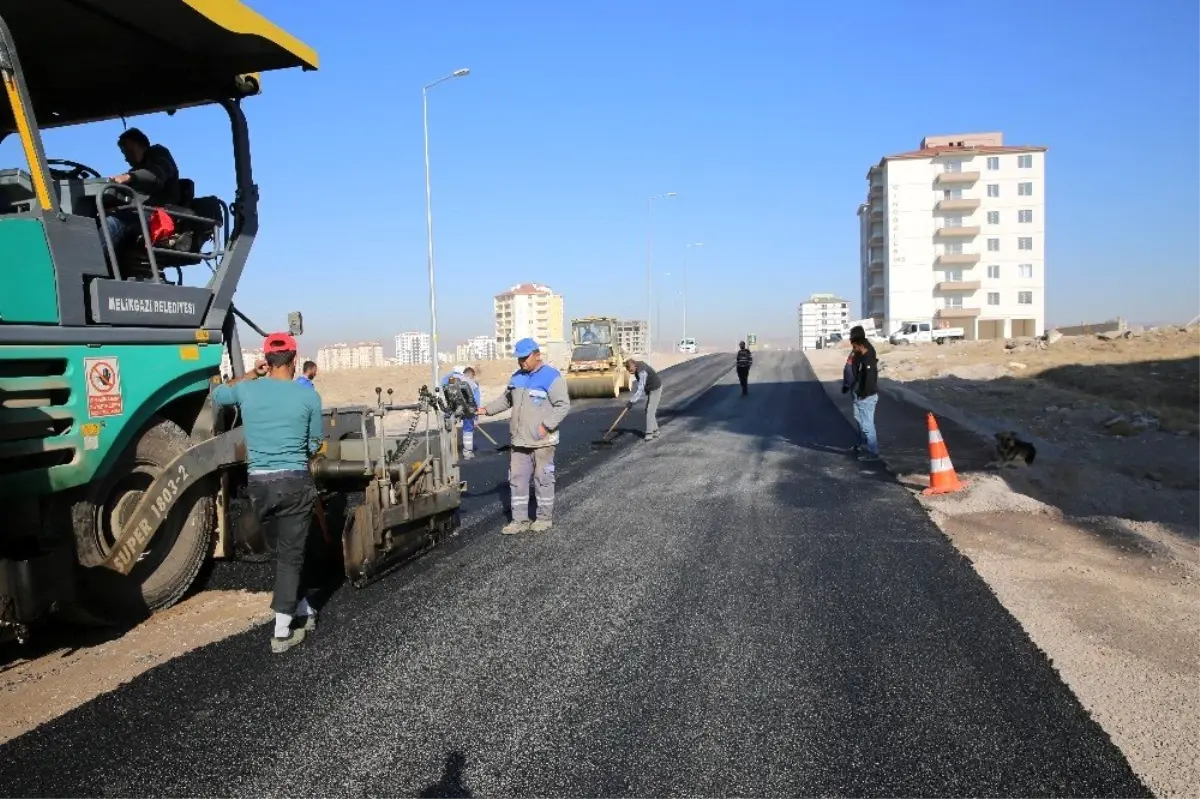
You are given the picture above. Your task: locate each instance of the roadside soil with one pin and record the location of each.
(1095, 548)
(54, 677)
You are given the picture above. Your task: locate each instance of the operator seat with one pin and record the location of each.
(182, 248)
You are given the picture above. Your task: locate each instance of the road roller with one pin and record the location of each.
(597, 367)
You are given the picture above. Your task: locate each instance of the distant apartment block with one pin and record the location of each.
(632, 336)
(412, 348)
(358, 355)
(955, 234)
(820, 316)
(477, 348)
(527, 310)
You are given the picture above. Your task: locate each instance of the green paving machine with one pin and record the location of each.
(117, 474)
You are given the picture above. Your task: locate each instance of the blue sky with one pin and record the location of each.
(763, 116)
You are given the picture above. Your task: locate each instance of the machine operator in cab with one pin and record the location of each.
(152, 172)
(281, 419)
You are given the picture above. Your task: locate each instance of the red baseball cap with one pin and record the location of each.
(279, 342)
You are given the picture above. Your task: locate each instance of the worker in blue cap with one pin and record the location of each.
(537, 395)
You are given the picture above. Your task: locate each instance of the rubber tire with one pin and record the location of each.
(192, 523)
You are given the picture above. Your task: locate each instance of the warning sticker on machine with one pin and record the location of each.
(103, 387)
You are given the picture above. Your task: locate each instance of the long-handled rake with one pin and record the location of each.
(605, 441)
(499, 447)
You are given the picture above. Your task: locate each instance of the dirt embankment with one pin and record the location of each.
(1095, 548)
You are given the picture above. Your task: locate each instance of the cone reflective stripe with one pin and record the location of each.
(942, 477)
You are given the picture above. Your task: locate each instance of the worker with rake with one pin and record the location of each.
(649, 385)
(537, 395)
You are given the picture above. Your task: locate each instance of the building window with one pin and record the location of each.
(993, 189)
(994, 271)
(993, 245)
(1024, 298)
(953, 248)
(993, 163)
(954, 221)
(1025, 161)
(1025, 215)
(952, 166)
(1025, 243)
(993, 298)
(1025, 189)
(954, 302)
(951, 194)
(1025, 270)
(993, 217)
(952, 276)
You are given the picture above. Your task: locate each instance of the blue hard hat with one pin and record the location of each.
(525, 347)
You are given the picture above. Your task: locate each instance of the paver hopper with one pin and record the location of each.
(597, 364)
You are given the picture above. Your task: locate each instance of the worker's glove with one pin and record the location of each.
(629, 404)
(845, 389)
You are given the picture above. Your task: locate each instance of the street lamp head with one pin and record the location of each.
(460, 73)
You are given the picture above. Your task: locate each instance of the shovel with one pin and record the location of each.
(605, 441)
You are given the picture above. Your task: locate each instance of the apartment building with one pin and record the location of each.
(632, 336)
(527, 310)
(412, 348)
(357, 355)
(476, 348)
(820, 316)
(954, 233)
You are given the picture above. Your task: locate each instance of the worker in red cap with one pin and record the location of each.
(281, 420)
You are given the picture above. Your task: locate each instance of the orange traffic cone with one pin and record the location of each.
(942, 477)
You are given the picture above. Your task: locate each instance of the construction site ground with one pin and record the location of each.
(1095, 548)
(66, 667)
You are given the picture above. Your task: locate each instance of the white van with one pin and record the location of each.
(688, 345)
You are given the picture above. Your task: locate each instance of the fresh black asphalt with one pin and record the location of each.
(738, 608)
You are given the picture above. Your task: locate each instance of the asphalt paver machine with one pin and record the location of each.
(117, 474)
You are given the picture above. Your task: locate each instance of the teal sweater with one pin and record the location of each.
(282, 421)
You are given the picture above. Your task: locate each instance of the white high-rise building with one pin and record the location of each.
(358, 355)
(631, 336)
(527, 310)
(955, 234)
(820, 316)
(477, 348)
(412, 348)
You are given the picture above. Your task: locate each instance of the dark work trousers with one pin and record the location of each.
(284, 504)
(743, 373)
(531, 465)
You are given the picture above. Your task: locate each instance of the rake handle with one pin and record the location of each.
(616, 421)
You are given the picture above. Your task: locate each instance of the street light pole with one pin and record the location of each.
(433, 337)
(685, 252)
(649, 266)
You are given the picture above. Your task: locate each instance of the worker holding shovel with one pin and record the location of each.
(537, 395)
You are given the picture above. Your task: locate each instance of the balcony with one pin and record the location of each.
(876, 239)
(958, 285)
(876, 191)
(955, 178)
(960, 232)
(957, 259)
(959, 204)
(876, 213)
(875, 290)
(875, 264)
(957, 313)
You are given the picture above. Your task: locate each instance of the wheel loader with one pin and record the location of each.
(117, 473)
(597, 367)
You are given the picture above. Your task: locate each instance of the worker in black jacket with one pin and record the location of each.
(648, 385)
(745, 359)
(866, 395)
(152, 172)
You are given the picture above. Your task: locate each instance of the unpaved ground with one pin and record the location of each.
(1094, 549)
(36, 690)
(50, 682)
